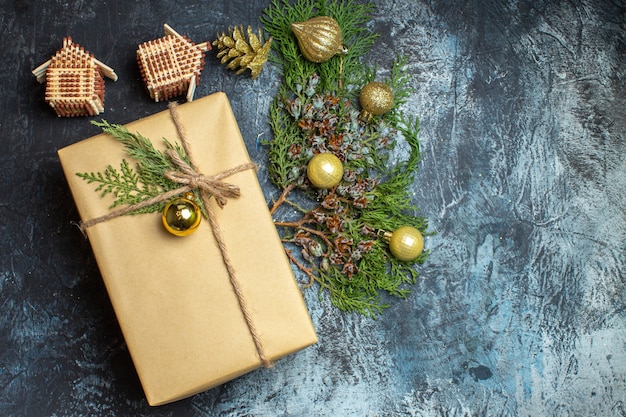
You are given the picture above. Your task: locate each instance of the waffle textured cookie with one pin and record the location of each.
(170, 66)
(74, 81)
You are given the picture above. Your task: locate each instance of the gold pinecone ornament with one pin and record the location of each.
(251, 54)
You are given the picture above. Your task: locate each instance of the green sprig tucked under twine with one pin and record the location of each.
(316, 110)
(146, 180)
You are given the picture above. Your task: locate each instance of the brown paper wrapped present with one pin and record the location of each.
(181, 319)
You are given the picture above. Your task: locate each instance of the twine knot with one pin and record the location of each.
(213, 185)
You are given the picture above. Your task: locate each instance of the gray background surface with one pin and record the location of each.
(520, 309)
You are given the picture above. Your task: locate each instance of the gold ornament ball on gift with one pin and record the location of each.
(376, 98)
(325, 170)
(319, 38)
(181, 216)
(405, 243)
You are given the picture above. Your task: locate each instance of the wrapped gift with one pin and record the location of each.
(173, 296)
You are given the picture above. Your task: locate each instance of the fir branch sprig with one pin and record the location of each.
(124, 184)
(130, 185)
(283, 168)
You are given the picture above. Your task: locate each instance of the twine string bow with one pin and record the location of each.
(191, 179)
(213, 185)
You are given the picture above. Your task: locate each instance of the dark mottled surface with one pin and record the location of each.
(520, 309)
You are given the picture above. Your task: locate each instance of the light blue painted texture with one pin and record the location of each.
(520, 308)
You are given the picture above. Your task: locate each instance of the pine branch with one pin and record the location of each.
(131, 185)
(316, 110)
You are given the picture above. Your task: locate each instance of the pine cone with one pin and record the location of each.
(243, 55)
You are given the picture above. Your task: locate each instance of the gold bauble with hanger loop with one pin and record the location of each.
(406, 243)
(319, 38)
(182, 216)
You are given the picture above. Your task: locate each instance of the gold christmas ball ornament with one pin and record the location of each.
(319, 38)
(376, 98)
(325, 170)
(181, 216)
(406, 243)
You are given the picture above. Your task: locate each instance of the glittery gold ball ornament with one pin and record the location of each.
(405, 243)
(325, 170)
(376, 98)
(181, 216)
(319, 38)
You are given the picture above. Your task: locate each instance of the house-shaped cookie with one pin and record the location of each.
(74, 81)
(170, 66)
